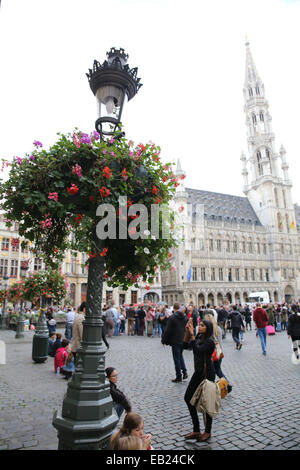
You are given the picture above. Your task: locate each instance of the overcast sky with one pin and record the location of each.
(191, 60)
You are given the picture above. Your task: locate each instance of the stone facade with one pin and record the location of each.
(240, 244)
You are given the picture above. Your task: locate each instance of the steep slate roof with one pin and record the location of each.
(217, 206)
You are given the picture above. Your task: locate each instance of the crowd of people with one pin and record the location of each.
(200, 329)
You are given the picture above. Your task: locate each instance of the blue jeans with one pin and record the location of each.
(117, 328)
(178, 360)
(119, 409)
(158, 328)
(262, 333)
(236, 335)
(69, 331)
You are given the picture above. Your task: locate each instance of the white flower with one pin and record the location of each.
(146, 232)
(146, 250)
(153, 237)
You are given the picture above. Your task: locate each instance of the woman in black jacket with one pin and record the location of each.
(203, 346)
(120, 401)
(293, 329)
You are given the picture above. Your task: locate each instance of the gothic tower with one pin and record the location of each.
(269, 187)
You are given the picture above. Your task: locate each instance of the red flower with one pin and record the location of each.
(78, 218)
(104, 191)
(154, 189)
(103, 252)
(92, 255)
(91, 198)
(73, 189)
(129, 203)
(107, 172)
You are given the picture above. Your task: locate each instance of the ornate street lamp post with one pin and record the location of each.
(20, 324)
(41, 336)
(87, 419)
(4, 317)
(113, 83)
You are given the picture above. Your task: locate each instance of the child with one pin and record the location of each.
(133, 425)
(69, 366)
(61, 356)
(57, 343)
(51, 343)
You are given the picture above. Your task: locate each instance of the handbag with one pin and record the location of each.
(223, 386)
(219, 350)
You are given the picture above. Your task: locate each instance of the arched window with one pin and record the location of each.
(257, 90)
(259, 164)
(250, 92)
(268, 155)
(261, 116)
(276, 197)
(254, 118)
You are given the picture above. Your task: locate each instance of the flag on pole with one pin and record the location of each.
(293, 225)
(189, 274)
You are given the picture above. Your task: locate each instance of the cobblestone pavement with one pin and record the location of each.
(262, 411)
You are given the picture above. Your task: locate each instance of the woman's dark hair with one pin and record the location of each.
(82, 306)
(295, 308)
(209, 329)
(109, 371)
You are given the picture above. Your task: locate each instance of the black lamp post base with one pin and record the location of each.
(84, 435)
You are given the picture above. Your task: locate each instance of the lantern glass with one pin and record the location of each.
(110, 99)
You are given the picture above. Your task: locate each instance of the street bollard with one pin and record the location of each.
(40, 339)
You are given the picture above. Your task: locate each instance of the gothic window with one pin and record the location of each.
(259, 164)
(244, 247)
(235, 246)
(228, 246)
(254, 118)
(287, 222)
(280, 224)
(284, 200)
(265, 248)
(246, 274)
(257, 90)
(213, 274)
(194, 274)
(252, 275)
(229, 275)
(258, 248)
(219, 245)
(220, 274)
(260, 274)
(202, 274)
(261, 116)
(276, 197)
(250, 92)
(269, 158)
(237, 274)
(267, 275)
(211, 244)
(250, 245)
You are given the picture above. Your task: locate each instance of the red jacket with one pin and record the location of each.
(260, 317)
(60, 358)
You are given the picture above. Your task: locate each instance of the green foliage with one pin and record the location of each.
(55, 193)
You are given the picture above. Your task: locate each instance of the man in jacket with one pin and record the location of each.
(173, 337)
(260, 317)
(77, 329)
(237, 323)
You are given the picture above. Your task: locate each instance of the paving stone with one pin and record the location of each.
(250, 418)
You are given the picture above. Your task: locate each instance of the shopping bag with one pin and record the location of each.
(270, 330)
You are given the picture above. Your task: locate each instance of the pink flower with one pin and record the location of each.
(76, 170)
(36, 143)
(47, 223)
(76, 141)
(53, 196)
